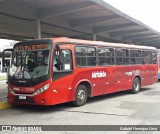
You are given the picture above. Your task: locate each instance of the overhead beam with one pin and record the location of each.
(50, 34)
(100, 29)
(136, 36)
(81, 35)
(141, 39)
(127, 32)
(151, 40)
(14, 36)
(157, 45)
(59, 10)
(91, 20)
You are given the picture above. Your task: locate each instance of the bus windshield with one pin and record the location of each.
(29, 64)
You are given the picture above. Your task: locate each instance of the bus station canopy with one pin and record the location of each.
(83, 19)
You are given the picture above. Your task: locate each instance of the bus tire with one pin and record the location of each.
(81, 96)
(136, 85)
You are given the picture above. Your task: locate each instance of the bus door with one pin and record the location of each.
(62, 70)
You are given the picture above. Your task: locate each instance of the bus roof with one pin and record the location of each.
(98, 43)
(89, 43)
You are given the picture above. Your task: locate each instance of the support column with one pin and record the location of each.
(94, 36)
(38, 29)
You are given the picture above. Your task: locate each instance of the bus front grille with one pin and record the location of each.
(27, 100)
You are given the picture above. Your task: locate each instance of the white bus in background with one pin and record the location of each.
(158, 64)
(3, 68)
(4, 45)
(0, 65)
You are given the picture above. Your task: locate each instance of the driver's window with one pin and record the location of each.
(62, 61)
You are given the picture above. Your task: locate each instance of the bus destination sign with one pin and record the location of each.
(32, 47)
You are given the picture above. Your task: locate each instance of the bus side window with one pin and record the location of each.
(122, 56)
(67, 60)
(66, 57)
(91, 56)
(58, 64)
(135, 57)
(147, 57)
(106, 56)
(85, 56)
(81, 54)
(154, 57)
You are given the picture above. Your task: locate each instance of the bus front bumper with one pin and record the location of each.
(39, 99)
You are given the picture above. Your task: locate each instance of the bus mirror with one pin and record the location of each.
(3, 55)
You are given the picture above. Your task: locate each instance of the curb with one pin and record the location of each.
(5, 105)
(2, 81)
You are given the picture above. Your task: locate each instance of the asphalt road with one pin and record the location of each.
(120, 108)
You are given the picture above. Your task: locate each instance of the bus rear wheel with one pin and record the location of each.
(81, 96)
(136, 85)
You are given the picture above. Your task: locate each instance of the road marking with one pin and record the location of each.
(3, 97)
(3, 81)
(4, 105)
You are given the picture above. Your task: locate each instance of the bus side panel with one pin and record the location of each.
(62, 90)
(152, 72)
(122, 77)
(96, 76)
(148, 74)
(114, 79)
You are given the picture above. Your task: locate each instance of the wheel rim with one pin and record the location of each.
(136, 85)
(81, 95)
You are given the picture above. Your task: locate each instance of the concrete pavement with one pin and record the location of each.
(3, 95)
(120, 108)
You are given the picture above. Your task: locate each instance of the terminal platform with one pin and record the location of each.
(3, 92)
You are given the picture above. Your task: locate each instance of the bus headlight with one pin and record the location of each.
(10, 90)
(42, 89)
(16, 89)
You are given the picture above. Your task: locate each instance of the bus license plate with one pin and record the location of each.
(22, 97)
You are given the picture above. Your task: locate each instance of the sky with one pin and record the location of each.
(4, 44)
(146, 11)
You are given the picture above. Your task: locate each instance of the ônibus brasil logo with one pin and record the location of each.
(98, 74)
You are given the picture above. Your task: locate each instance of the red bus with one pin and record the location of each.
(59, 70)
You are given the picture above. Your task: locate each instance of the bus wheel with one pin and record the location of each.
(136, 85)
(81, 96)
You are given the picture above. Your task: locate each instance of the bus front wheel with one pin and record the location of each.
(81, 96)
(135, 85)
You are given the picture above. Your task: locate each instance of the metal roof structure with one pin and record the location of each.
(83, 19)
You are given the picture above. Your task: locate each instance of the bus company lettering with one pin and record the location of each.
(33, 47)
(98, 74)
(132, 72)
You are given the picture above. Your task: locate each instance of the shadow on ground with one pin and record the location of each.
(69, 106)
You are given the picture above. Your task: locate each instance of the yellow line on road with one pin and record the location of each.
(4, 105)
